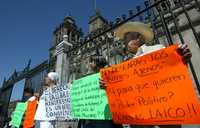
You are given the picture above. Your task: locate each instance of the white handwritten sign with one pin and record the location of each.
(57, 103)
(54, 104)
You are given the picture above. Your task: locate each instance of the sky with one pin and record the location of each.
(26, 28)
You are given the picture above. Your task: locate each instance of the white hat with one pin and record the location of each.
(53, 76)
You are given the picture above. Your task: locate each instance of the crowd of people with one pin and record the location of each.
(138, 38)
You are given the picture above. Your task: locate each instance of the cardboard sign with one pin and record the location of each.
(57, 103)
(18, 114)
(152, 89)
(29, 115)
(88, 100)
(54, 104)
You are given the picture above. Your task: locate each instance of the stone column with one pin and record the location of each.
(62, 68)
(62, 64)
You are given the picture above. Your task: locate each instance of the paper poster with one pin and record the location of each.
(54, 104)
(18, 114)
(88, 100)
(152, 89)
(57, 103)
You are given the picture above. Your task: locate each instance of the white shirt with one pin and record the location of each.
(40, 115)
(144, 49)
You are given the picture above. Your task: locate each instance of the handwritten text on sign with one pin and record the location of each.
(152, 89)
(57, 103)
(18, 114)
(88, 100)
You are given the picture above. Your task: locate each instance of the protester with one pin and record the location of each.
(28, 96)
(28, 93)
(97, 62)
(137, 39)
(50, 81)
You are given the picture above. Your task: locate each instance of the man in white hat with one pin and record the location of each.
(44, 122)
(137, 37)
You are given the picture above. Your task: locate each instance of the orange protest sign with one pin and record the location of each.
(29, 115)
(152, 89)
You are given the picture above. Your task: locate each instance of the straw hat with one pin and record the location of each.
(143, 29)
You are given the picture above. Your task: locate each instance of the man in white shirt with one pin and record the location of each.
(44, 122)
(137, 38)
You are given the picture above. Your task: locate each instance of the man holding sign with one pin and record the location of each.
(137, 37)
(92, 118)
(45, 122)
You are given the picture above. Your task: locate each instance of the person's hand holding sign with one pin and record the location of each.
(102, 84)
(185, 52)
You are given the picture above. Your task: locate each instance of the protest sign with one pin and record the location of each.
(29, 114)
(57, 103)
(54, 104)
(88, 100)
(152, 89)
(18, 114)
